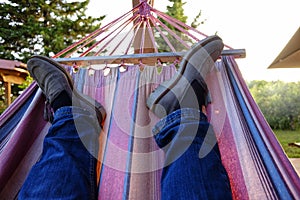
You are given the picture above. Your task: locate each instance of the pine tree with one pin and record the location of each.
(45, 27)
(176, 11)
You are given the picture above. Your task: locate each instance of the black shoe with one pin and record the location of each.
(54, 80)
(187, 89)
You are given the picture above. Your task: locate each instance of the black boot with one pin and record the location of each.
(57, 85)
(187, 89)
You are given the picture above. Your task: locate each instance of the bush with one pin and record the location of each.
(279, 102)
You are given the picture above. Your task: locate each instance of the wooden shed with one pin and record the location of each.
(12, 72)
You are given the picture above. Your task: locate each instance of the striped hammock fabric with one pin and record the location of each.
(131, 163)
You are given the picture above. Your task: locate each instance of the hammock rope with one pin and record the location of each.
(142, 18)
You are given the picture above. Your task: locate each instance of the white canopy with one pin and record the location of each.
(289, 57)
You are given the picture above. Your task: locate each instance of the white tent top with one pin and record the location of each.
(289, 57)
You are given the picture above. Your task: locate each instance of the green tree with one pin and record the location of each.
(279, 102)
(196, 23)
(46, 27)
(176, 11)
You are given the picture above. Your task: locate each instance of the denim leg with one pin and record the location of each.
(193, 167)
(67, 167)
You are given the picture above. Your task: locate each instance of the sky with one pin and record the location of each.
(261, 27)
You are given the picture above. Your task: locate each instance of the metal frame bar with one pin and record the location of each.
(148, 58)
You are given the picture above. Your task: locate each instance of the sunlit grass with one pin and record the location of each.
(285, 137)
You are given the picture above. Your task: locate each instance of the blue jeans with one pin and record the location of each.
(193, 167)
(67, 170)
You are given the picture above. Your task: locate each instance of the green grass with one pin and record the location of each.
(285, 137)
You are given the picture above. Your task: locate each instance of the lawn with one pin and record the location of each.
(285, 137)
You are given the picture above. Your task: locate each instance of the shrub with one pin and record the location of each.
(279, 102)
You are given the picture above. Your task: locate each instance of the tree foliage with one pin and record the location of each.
(196, 23)
(46, 27)
(176, 11)
(279, 102)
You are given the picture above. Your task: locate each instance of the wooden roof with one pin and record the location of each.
(13, 71)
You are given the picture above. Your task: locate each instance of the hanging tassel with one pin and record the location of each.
(141, 65)
(123, 67)
(91, 71)
(75, 68)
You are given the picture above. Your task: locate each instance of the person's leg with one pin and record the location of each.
(190, 173)
(67, 167)
(193, 167)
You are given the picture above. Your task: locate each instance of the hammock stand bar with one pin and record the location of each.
(138, 58)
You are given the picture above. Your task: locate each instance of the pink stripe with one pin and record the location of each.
(217, 113)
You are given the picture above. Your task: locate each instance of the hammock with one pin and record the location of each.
(131, 161)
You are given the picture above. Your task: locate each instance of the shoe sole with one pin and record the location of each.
(161, 91)
(100, 111)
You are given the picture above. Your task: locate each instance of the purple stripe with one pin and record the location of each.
(283, 164)
(22, 138)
